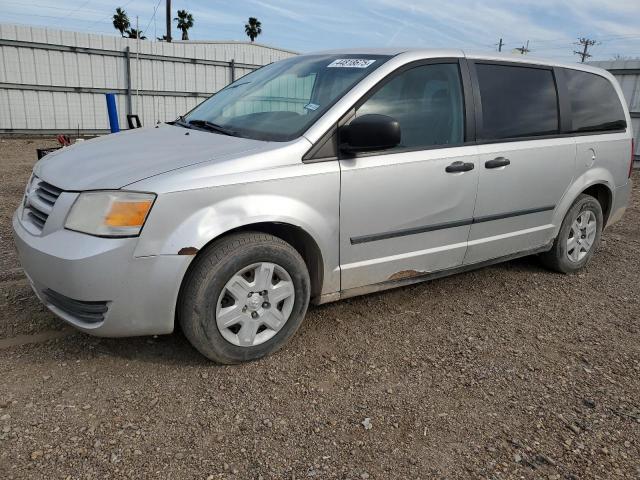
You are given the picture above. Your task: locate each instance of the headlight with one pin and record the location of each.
(110, 214)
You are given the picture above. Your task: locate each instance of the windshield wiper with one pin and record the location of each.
(213, 127)
(181, 121)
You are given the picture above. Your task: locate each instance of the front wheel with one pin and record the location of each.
(244, 298)
(578, 238)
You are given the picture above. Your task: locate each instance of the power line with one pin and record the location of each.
(72, 12)
(601, 38)
(109, 16)
(153, 16)
(48, 24)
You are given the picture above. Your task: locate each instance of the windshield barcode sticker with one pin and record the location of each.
(350, 63)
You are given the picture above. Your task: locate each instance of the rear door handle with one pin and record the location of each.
(497, 162)
(459, 167)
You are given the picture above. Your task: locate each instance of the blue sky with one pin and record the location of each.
(551, 26)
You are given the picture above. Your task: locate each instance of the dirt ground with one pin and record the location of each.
(507, 372)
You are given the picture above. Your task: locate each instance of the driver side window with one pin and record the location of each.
(426, 101)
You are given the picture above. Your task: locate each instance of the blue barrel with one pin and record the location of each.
(113, 112)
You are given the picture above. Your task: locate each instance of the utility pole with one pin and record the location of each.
(168, 20)
(586, 43)
(137, 66)
(500, 44)
(524, 49)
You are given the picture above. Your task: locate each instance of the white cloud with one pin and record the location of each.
(552, 26)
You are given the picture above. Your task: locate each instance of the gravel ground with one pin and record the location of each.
(507, 372)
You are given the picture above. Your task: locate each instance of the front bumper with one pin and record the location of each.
(140, 292)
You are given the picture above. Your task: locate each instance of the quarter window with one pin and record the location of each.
(426, 101)
(517, 101)
(595, 105)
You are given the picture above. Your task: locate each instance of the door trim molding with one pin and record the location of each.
(517, 213)
(409, 231)
(441, 226)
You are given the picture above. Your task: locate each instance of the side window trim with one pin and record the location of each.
(468, 110)
(564, 101)
(470, 105)
(477, 103)
(561, 104)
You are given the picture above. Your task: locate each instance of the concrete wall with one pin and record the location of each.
(54, 80)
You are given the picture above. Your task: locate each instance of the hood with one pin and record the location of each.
(116, 160)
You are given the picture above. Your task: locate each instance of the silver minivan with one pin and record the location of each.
(321, 177)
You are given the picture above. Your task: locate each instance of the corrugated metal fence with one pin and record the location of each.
(627, 72)
(54, 80)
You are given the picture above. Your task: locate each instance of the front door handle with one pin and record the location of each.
(497, 162)
(459, 167)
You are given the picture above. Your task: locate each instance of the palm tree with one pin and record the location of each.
(133, 33)
(121, 21)
(185, 22)
(253, 28)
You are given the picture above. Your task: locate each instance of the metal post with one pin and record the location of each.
(113, 112)
(137, 67)
(168, 20)
(127, 73)
(232, 64)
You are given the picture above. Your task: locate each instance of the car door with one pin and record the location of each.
(406, 211)
(525, 165)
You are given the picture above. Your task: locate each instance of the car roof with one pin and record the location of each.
(470, 54)
(511, 57)
(391, 51)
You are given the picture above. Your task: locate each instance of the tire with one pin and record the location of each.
(214, 290)
(562, 258)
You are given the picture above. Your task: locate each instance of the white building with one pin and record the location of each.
(54, 81)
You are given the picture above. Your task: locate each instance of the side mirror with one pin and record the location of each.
(369, 133)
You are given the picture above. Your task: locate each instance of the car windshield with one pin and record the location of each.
(280, 101)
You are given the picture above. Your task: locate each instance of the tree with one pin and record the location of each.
(133, 33)
(121, 21)
(253, 28)
(163, 38)
(185, 22)
(617, 56)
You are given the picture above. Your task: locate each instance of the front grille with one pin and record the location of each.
(39, 201)
(90, 312)
(48, 193)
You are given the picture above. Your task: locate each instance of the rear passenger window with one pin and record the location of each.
(426, 101)
(517, 101)
(595, 105)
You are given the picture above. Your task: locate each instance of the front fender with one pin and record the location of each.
(184, 222)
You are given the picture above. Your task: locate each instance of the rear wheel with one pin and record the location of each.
(244, 298)
(578, 238)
